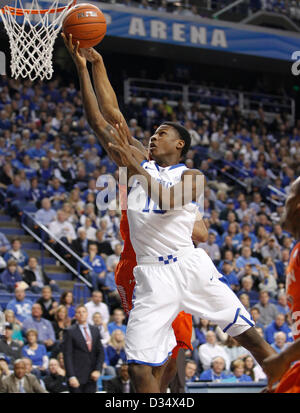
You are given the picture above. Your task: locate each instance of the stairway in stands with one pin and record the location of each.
(12, 229)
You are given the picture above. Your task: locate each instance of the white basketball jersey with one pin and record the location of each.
(154, 232)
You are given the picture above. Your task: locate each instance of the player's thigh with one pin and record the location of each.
(149, 335)
(208, 297)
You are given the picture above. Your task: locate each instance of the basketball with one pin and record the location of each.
(86, 23)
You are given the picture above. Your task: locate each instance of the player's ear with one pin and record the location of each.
(180, 144)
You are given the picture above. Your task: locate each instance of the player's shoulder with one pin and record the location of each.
(295, 255)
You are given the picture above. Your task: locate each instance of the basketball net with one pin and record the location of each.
(32, 33)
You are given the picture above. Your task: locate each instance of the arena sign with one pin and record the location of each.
(197, 32)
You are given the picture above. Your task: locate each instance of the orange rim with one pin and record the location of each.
(20, 12)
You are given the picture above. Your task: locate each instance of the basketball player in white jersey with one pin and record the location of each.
(171, 275)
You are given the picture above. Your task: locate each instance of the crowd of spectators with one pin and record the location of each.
(205, 8)
(51, 161)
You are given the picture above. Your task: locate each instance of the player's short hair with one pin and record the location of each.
(183, 133)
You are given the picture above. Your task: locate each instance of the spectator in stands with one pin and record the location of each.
(18, 254)
(114, 257)
(16, 197)
(230, 275)
(268, 311)
(282, 305)
(118, 318)
(48, 303)
(96, 305)
(245, 300)
(67, 300)
(35, 351)
(272, 249)
(6, 175)
(191, 371)
(20, 305)
(246, 258)
(89, 212)
(62, 229)
(211, 247)
(217, 371)
(98, 272)
(115, 350)
(255, 314)
(111, 292)
(46, 214)
(56, 193)
(234, 350)
(281, 265)
(33, 370)
(80, 245)
(104, 246)
(10, 276)
(247, 288)
(279, 324)
(56, 381)
(121, 383)
(280, 343)
(89, 229)
(17, 331)
(44, 327)
(61, 322)
(20, 382)
(230, 207)
(8, 346)
(268, 282)
(4, 244)
(36, 277)
(4, 370)
(65, 173)
(211, 349)
(249, 365)
(238, 371)
(102, 327)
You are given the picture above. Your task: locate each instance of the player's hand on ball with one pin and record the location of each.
(74, 51)
(91, 55)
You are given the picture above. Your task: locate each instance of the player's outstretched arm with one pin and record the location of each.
(94, 117)
(276, 365)
(106, 96)
(187, 190)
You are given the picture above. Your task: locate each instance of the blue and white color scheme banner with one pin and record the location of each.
(133, 23)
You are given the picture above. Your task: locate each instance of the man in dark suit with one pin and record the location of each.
(80, 244)
(121, 383)
(83, 354)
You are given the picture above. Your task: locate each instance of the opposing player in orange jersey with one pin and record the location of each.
(277, 367)
(125, 281)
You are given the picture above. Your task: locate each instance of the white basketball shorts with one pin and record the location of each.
(183, 281)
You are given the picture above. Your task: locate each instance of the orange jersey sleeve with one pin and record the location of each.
(293, 289)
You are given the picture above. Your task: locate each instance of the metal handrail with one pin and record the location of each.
(45, 245)
(187, 91)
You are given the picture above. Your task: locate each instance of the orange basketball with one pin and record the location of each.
(86, 23)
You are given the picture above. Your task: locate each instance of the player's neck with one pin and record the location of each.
(167, 161)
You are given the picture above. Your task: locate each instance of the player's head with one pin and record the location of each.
(291, 214)
(170, 138)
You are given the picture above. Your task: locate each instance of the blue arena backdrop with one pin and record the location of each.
(132, 23)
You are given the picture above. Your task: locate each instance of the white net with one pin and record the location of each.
(31, 38)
